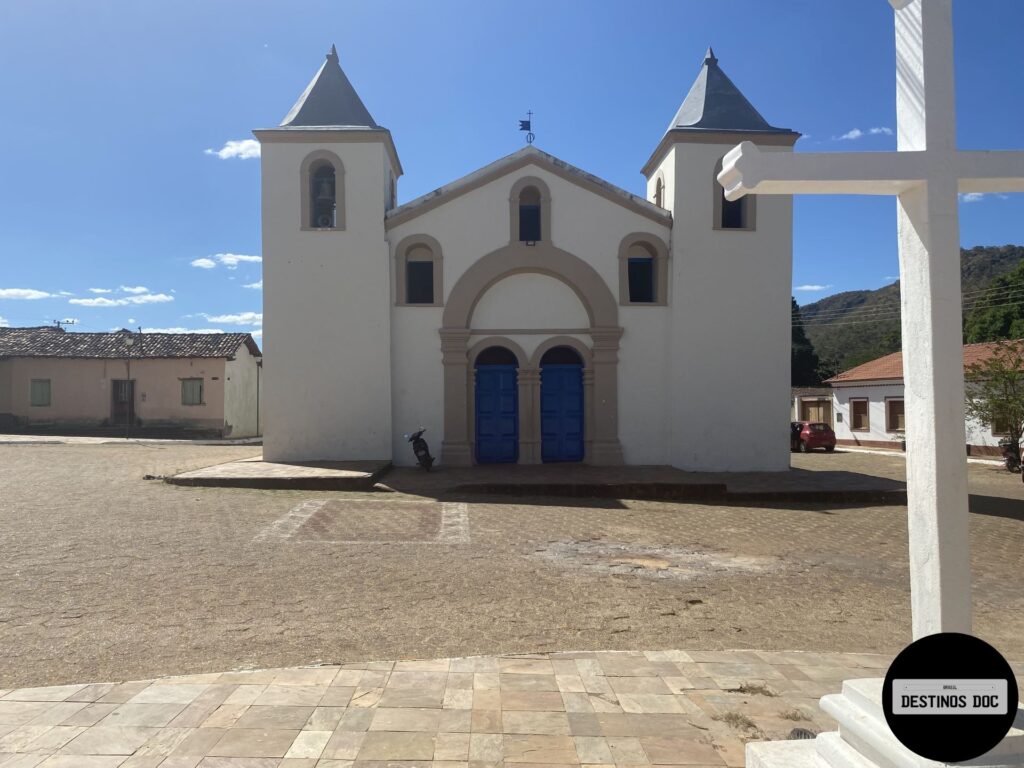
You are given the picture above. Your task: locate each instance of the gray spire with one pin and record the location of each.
(715, 104)
(329, 100)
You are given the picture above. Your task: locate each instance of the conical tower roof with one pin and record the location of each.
(714, 103)
(329, 100)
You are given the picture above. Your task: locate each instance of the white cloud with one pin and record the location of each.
(972, 197)
(103, 301)
(257, 334)
(131, 321)
(182, 330)
(65, 293)
(891, 277)
(23, 293)
(229, 260)
(241, 318)
(4, 322)
(134, 289)
(232, 260)
(243, 149)
(857, 133)
(257, 286)
(811, 287)
(101, 290)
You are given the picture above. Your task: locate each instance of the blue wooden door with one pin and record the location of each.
(497, 414)
(561, 412)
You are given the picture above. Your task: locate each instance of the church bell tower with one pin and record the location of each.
(329, 173)
(729, 261)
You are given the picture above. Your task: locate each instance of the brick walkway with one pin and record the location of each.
(695, 708)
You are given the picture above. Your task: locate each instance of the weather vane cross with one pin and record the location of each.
(527, 125)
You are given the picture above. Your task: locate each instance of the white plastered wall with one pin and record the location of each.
(326, 381)
(731, 324)
(876, 394)
(240, 394)
(585, 224)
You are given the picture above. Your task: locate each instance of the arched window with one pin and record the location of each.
(643, 270)
(322, 196)
(323, 191)
(659, 192)
(529, 215)
(732, 214)
(418, 265)
(530, 211)
(642, 274)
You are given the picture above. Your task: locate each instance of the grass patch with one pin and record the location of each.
(794, 714)
(737, 720)
(756, 689)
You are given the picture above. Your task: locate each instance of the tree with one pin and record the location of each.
(803, 361)
(999, 314)
(995, 390)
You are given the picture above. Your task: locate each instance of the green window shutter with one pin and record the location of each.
(191, 391)
(40, 395)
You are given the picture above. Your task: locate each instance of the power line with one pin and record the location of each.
(881, 313)
(964, 310)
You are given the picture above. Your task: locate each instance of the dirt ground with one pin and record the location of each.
(107, 576)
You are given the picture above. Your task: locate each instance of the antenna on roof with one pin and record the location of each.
(61, 323)
(527, 125)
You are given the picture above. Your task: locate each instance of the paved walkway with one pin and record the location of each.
(695, 708)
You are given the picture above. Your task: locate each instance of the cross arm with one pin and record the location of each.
(991, 171)
(746, 169)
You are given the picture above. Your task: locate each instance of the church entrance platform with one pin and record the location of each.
(270, 475)
(831, 479)
(659, 483)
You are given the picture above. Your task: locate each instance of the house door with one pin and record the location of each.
(122, 401)
(497, 407)
(561, 405)
(817, 410)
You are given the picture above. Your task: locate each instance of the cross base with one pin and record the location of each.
(865, 741)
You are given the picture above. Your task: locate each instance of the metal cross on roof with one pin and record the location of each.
(926, 174)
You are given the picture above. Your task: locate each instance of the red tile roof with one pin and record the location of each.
(891, 366)
(48, 341)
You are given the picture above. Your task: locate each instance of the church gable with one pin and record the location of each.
(524, 159)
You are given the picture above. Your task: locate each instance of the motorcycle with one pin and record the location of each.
(1011, 454)
(420, 448)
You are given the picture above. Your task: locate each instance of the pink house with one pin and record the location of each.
(55, 380)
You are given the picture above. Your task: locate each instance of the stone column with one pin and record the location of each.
(605, 447)
(455, 447)
(528, 381)
(588, 414)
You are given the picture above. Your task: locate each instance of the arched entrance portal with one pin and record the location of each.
(497, 407)
(561, 405)
(600, 378)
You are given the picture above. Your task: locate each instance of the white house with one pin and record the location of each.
(528, 312)
(868, 404)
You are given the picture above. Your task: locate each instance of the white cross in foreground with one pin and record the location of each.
(926, 174)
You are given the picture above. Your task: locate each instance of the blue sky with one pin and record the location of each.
(109, 108)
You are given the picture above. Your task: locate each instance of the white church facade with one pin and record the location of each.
(528, 312)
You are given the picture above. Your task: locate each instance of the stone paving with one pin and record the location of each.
(693, 708)
(108, 576)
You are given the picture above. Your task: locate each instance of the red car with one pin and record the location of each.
(805, 436)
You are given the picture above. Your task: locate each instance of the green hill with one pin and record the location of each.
(856, 326)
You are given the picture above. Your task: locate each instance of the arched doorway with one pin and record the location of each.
(497, 407)
(561, 405)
